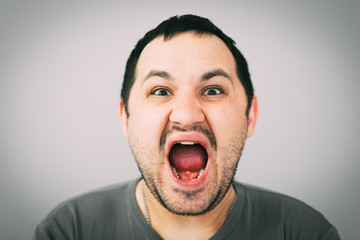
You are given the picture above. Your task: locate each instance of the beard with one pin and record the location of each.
(190, 202)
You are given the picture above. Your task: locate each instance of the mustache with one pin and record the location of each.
(196, 128)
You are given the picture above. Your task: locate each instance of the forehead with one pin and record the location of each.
(186, 53)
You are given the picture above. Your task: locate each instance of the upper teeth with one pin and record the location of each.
(187, 143)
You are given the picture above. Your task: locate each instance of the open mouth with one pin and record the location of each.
(188, 160)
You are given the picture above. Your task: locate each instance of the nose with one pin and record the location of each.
(186, 110)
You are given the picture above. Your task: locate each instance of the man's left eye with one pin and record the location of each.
(213, 91)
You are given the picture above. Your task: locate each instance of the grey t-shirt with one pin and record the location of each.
(113, 213)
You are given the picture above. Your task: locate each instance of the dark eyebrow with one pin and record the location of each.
(214, 73)
(157, 73)
(206, 76)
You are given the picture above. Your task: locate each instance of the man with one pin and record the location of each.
(187, 107)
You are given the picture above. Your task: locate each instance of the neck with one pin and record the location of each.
(172, 226)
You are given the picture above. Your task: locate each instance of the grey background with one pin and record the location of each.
(61, 67)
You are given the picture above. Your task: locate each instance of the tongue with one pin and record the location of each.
(188, 160)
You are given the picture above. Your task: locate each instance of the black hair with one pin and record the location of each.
(180, 24)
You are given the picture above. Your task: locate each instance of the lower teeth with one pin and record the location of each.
(201, 172)
(175, 172)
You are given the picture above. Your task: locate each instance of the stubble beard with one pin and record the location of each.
(183, 204)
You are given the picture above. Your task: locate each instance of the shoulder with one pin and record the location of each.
(282, 212)
(83, 212)
(260, 197)
(99, 199)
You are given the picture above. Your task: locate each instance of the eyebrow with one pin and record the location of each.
(215, 73)
(157, 73)
(206, 76)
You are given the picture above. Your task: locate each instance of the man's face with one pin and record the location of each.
(187, 123)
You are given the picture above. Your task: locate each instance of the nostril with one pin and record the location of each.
(187, 111)
(187, 116)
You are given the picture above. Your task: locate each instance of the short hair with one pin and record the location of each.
(180, 24)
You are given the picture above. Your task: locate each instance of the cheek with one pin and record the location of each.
(227, 121)
(147, 122)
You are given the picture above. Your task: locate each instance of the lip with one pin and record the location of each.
(188, 137)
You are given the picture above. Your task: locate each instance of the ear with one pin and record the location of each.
(123, 117)
(252, 117)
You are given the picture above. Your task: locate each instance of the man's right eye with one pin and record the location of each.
(160, 92)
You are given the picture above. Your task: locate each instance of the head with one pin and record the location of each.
(187, 107)
(180, 24)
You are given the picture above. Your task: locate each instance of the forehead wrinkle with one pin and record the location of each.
(158, 73)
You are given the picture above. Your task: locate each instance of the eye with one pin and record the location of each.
(213, 91)
(160, 92)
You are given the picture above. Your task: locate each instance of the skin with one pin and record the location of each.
(173, 87)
